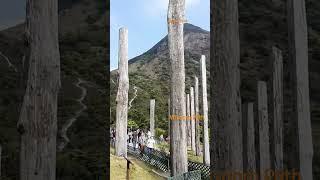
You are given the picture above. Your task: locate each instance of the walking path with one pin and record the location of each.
(135, 95)
(9, 62)
(69, 122)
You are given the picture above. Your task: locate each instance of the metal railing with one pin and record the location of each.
(161, 160)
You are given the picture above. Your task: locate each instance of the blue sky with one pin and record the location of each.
(12, 12)
(146, 21)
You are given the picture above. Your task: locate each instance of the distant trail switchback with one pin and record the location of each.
(68, 124)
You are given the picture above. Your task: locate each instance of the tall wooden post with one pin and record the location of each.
(193, 125)
(178, 151)
(298, 56)
(152, 106)
(38, 116)
(122, 95)
(277, 108)
(264, 146)
(249, 151)
(226, 125)
(188, 121)
(206, 152)
(197, 115)
(169, 114)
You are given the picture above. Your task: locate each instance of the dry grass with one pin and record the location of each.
(138, 171)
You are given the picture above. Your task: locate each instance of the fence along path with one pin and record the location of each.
(161, 160)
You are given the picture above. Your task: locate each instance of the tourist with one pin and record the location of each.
(135, 139)
(150, 144)
(161, 138)
(142, 142)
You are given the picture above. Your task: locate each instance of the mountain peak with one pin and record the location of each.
(192, 35)
(192, 28)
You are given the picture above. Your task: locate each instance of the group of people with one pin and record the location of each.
(137, 139)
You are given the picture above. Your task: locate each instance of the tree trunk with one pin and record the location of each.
(122, 95)
(197, 120)
(178, 153)
(249, 152)
(277, 105)
(193, 125)
(37, 123)
(206, 152)
(152, 106)
(188, 121)
(226, 125)
(298, 56)
(263, 128)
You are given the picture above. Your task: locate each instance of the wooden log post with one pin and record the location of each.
(264, 143)
(249, 152)
(152, 106)
(197, 115)
(37, 123)
(169, 116)
(298, 58)
(122, 95)
(226, 125)
(188, 121)
(178, 142)
(204, 118)
(193, 125)
(277, 109)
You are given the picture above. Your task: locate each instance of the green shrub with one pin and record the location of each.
(160, 132)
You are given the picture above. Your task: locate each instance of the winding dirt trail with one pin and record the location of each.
(9, 62)
(69, 122)
(135, 95)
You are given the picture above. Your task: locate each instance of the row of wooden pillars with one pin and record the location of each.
(270, 146)
(226, 126)
(194, 116)
(226, 130)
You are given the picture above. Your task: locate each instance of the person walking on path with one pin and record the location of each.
(134, 139)
(142, 142)
(150, 144)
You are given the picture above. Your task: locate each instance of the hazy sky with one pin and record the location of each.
(146, 21)
(12, 12)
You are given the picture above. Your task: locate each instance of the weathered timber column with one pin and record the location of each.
(37, 123)
(298, 57)
(193, 125)
(122, 95)
(178, 142)
(152, 106)
(197, 115)
(277, 108)
(206, 152)
(263, 128)
(169, 114)
(249, 151)
(188, 121)
(226, 125)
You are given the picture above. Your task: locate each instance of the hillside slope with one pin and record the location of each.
(149, 72)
